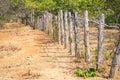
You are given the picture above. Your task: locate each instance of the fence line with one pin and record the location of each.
(65, 29)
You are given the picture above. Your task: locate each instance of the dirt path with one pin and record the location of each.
(27, 54)
(31, 55)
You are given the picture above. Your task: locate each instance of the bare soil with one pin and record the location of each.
(27, 54)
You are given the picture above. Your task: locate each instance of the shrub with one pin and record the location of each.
(91, 72)
(1, 24)
(110, 19)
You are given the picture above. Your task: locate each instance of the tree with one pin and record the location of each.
(4, 7)
(114, 5)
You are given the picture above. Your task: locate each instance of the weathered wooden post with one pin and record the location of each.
(44, 22)
(77, 37)
(100, 41)
(66, 30)
(116, 61)
(33, 22)
(31, 19)
(50, 25)
(55, 29)
(86, 37)
(70, 33)
(47, 22)
(41, 23)
(62, 27)
(59, 29)
(38, 22)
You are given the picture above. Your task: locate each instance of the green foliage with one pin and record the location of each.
(93, 60)
(91, 72)
(110, 19)
(96, 50)
(1, 24)
(82, 53)
(95, 7)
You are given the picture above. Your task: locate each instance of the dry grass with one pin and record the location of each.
(109, 46)
(9, 49)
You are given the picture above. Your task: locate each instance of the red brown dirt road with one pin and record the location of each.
(28, 54)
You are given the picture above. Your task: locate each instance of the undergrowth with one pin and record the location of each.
(91, 72)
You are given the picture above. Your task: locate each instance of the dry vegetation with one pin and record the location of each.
(109, 46)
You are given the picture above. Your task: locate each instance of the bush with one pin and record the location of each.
(110, 19)
(119, 20)
(91, 72)
(1, 24)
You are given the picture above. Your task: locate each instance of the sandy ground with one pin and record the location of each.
(27, 54)
(31, 55)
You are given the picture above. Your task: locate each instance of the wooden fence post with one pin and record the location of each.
(31, 18)
(59, 29)
(116, 61)
(50, 25)
(38, 22)
(70, 32)
(77, 37)
(33, 22)
(55, 29)
(66, 30)
(100, 41)
(86, 37)
(62, 27)
(41, 23)
(44, 22)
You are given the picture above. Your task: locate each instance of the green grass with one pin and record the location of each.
(108, 54)
(96, 50)
(82, 53)
(93, 60)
